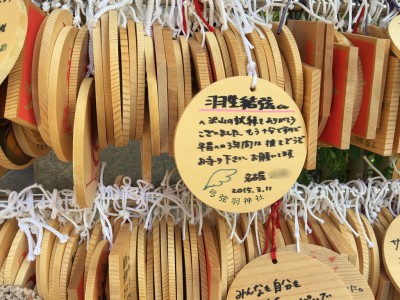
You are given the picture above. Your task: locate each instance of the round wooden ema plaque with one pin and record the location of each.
(240, 150)
(29, 147)
(13, 27)
(391, 253)
(295, 276)
(354, 281)
(11, 155)
(394, 34)
(98, 271)
(56, 21)
(78, 69)
(61, 129)
(86, 151)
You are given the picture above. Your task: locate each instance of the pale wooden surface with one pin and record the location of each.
(310, 111)
(290, 266)
(61, 131)
(55, 23)
(152, 96)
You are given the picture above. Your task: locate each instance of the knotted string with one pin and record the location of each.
(273, 221)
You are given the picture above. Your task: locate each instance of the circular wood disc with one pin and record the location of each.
(199, 61)
(43, 260)
(66, 265)
(215, 56)
(78, 69)
(288, 47)
(286, 75)
(238, 250)
(13, 28)
(57, 20)
(181, 78)
(162, 84)
(141, 262)
(61, 129)
(157, 260)
(133, 73)
(108, 104)
(77, 280)
(35, 71)
(199, 38)
(115, 77)
(26, 276)
(33, 135)
(152, 95)
(230, 257)
(354, 281)
(56, 262)
(172, 73)
(27, 146)
(212, 260)
(273, 55)
(140, 81)
(164, 258)
(95, 238)
(15, 257)
(293, 277)
(98, 272)
(187, 256)
(259, 53)
(195, 261)
(374, 256)
(203, 268)
(86, 151)
(180, 279)
(133, 260)
(224, 52)
(391, 251)
(125, 84)
(187, 69)
(171, 258)
(240, 42)
(223, 248)
(394, 34)
(237, 61)
(217, 175)
(11, 155)
(150, 267)
(7, 235)
(362, 245)
(145, 150)
(99, 84)
(118, 264)
(249, 241)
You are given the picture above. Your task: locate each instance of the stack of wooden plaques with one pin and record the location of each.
(143, 84)
(176, 261)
